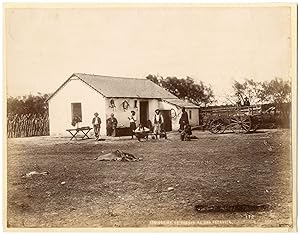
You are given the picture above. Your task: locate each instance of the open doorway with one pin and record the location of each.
(144, 112)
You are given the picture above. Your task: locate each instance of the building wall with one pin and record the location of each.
(75, 91)
(122, 114)
(194, 118)
(176, 114)
(119, 112)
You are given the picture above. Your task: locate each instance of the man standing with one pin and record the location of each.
(111, 123)
(96, 123)
(132, 123)
(157, 122)
(184, 119)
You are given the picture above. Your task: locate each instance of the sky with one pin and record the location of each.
(215, 45)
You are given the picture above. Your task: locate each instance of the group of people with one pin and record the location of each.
(139, 131)
(111, 125)
(142, 131)
(246, 102)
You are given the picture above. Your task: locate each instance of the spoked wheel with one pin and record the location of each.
(240, 123)
(217, 127)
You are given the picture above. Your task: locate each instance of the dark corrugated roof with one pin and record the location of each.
(181, 103)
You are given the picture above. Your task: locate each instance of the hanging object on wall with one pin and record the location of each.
(173, 114)
(125, 105)
(135, 104)
(112, 104)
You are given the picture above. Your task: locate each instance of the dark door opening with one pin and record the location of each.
(167, 119)
(144, 112)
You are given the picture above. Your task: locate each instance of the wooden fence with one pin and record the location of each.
(25, 125)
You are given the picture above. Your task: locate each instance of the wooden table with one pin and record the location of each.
(84, 130)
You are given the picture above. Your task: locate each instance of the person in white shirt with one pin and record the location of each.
(96, 123)
(157, 122)
(141, 132)
(132, 123)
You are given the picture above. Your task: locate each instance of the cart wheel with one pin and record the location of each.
(240, 123)
(217, 127)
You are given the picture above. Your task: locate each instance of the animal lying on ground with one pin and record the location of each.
(118, 155)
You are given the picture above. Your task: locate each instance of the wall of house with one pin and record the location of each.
(194, 117)
(122, 114)
(119, 112)
(75, 91)
(176, 114)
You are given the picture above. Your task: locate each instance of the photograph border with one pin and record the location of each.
(294, 125)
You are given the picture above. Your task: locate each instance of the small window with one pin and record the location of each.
(135, 103)
(190, 114)
(76, 112)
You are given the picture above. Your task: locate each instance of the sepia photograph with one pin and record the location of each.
(150, 117)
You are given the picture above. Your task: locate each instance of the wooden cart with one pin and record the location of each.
(243, 119)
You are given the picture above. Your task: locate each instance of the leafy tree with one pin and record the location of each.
(275, 91)
(196, 93)
(153, 78)
(28, 104)
(250, 89)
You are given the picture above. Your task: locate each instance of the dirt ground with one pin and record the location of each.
(215, 171)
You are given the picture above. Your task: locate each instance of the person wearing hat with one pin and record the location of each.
(96, 123)
(157, 122)
(184, 119)
(132, 123)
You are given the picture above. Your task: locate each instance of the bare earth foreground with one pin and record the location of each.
(223, 174)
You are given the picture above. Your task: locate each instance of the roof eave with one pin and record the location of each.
(181, 106)
(73, 75)
(61, 86)
(89, 85)
(134, 97)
